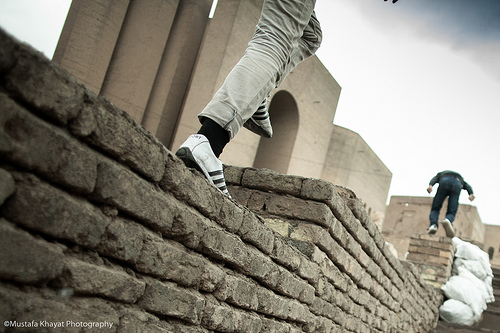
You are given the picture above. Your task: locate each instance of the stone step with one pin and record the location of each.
(490, 320)
(443, 327)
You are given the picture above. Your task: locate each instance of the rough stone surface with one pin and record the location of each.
(7, 185)
(101, 223)
(25, 259)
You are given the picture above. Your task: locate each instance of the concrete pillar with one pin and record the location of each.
(174, 73)
(137, 55)
(225, 41)
(88, 39)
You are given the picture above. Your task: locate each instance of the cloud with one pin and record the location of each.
(35, 21)
(471, 27)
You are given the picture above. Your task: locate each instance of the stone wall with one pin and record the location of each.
(102, 225)
(433, 256)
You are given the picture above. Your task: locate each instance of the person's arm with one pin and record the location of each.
(469, 190)
(433, 181)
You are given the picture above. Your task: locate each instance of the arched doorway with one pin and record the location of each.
(275, 153)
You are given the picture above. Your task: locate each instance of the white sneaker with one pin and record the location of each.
(448, 228)
(260, 122)
(196, 153)
(432, 229)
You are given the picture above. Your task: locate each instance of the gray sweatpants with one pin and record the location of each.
(287, 33)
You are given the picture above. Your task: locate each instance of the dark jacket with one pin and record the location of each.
(449, 173)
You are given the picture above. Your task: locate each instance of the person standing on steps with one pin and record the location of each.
(287, 33)
(451, 184)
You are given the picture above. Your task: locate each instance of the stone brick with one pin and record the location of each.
(39, 206)
(132, 324)
(257, 201)
(118, 186)
(267, 180)
(299, 209)
(104, 282)
(239, 292)
(47, 306)
(169, 260)
(35, 145)
(188, 227)
(316, 189)
(240, 194)
(232, 216)
(290, 285)
(272, 304)
(8, 51)
(113, 131)
(254, 231)
(329, 270)
(233, 174)
(322, 308)
(444, 243)
(224, 246)
(221, 317)
(166, 298)
(425, 250)
(7, 185)
(62, 96)
(269, 325)
(309, 270)
(299, 312)
(285, 255)
(190, 186)
(425, 258)
(334, 251)
(280, 226)
(357, 208)
(351, 224)
(123, 240)
(25, 259)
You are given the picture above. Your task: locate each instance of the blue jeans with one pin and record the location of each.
(287, 33)
(448, 187)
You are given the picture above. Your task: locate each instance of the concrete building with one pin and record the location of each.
(492, 244)
(352, 163)
(161, 61)
(408, 215)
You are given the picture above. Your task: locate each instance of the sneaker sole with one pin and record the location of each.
(449, 229)
(432, 232)
(189, 160)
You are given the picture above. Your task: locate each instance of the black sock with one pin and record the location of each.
(216, 135)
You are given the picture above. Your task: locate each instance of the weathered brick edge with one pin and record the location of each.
(433, 256)
(384, 292)
(99, 222)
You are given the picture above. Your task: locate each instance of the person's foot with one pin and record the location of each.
(448, 228)
(432, 229)
(196, 153)
(260, 122)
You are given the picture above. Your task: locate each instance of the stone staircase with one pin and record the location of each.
(490, 321)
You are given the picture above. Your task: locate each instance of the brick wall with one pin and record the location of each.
(102, 225)
(433, 256)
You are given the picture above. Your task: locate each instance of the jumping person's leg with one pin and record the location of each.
(267, 60)
(260, 122)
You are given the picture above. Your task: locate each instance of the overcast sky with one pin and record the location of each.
(420, 82)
